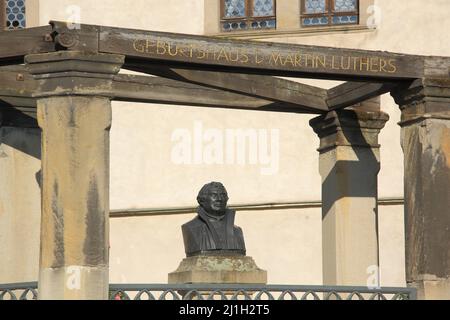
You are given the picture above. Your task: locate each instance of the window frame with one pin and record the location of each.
(4, 16)
(249, 18)
(329, 5)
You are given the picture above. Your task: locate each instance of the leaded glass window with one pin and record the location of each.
(240, 15)
(329, 12)
(13, 14)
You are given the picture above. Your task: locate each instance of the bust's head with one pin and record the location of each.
(213, 197)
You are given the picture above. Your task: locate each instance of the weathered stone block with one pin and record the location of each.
(218, 269)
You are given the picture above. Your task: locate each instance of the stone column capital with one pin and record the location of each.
(349, 128)
(425, 98)
(65, 73)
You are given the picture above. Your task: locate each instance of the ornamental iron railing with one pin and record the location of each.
(29, 291)
(19, 291)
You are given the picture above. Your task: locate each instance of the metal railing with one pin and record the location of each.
(19, 291)
(254, 292)
(29, 291)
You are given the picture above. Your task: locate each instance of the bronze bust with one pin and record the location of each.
(212, 231)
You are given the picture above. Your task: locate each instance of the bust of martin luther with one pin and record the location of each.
(212, 231)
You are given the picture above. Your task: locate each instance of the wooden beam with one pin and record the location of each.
(18, 43)
(351, 93)
(2, 15)
(215, 89)
(278, 90)
(242, 56)
(17, 101)
(17, 106)
(166, 91)
(218, 54)
(17, 87)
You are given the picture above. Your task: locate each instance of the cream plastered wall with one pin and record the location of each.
(19, 204)
(167, 15)
(144, 176)
(399, 28)
(295, 134)
(405, 26)
(391, 245)
(152, 245)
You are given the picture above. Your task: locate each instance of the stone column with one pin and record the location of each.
(425, 133)
(349, 165)
(74, 113)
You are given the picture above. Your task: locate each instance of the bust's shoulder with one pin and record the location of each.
(237, 229)
(193, 224)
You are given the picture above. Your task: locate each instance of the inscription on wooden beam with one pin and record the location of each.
(277, 58)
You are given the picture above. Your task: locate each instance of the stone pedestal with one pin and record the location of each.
(218, 269)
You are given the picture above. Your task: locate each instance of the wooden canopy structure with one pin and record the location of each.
(206, 71)
(66, 77)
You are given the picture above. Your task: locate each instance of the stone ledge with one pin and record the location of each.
(73, 73)
(218, 269)
(298, 32)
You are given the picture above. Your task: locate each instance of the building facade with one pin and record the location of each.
(273, 178)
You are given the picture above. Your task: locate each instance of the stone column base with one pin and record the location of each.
(218, 269)
(74, 283)
(432, 288)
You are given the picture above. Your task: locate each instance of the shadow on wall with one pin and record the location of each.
(19, 130)
(15, 119)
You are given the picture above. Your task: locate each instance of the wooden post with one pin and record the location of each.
(74, 113)
(349, 165)
(425, 134)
